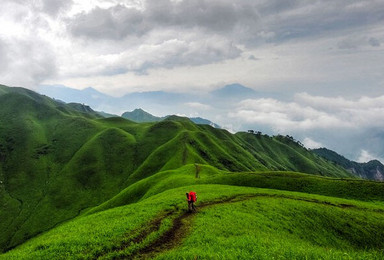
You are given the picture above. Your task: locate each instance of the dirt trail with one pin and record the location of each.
(181, 226)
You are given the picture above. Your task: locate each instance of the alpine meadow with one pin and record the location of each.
(77, 185)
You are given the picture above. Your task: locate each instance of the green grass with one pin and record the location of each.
(290, 181)
(258, 223)
(282, 228)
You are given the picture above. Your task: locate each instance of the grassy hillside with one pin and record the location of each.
(195, 174)
(60, 161)
(231, 222)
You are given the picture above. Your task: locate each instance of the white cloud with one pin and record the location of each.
(312, 112)
(363, 112)
(366, 156)
(198, 105)
(285, 116)
(311, 144)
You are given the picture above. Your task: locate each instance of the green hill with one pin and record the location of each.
(140, 116)
(233, 221)
(62, 165)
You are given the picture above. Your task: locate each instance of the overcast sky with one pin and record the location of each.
(324, 60)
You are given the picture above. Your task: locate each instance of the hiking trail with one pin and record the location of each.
(181, 225)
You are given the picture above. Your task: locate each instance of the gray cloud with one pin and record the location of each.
(3, 57)
(357, 41)
(53, 7)
(115, 37)
(374, 42)
(297, 19)
(164, 34)
(28, 58)
(114, 23)
(244, 22)
(346, 44)
(118, 22)
(167, 53)
(50, 7)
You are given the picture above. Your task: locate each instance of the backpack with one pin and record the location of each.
(192, 196)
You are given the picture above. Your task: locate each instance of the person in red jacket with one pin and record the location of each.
(191, 198)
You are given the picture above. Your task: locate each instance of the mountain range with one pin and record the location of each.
(75, 184)
(158, 101)
(59, 159)
(373, 170)
(236, 108)
(229, 93)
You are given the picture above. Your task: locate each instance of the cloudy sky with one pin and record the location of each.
(323, 61)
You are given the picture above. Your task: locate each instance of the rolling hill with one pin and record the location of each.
(235, 219)
(96, 187)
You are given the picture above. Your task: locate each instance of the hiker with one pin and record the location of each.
(191, 198)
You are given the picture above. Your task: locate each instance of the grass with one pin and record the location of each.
(282, 228)
(257, 223)
(291, 181)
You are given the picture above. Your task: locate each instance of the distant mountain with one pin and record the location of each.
(372, 170)
(234, 91)
(89, 96)
(202, 121)
(162, 101)
(140, 116)
(103, 102)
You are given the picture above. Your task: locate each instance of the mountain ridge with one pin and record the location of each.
(372, 170)
(140, 116)
(148, 100)
(234, 91)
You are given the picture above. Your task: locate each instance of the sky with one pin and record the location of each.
(321, 62)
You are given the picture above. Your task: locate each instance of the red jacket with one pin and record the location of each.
(192, 196)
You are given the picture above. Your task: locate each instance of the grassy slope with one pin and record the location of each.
(274, 227)
(290, 181)
(30, 144)
(260, 223)
(56, 162)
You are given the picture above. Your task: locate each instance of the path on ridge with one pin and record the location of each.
(181, 225)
